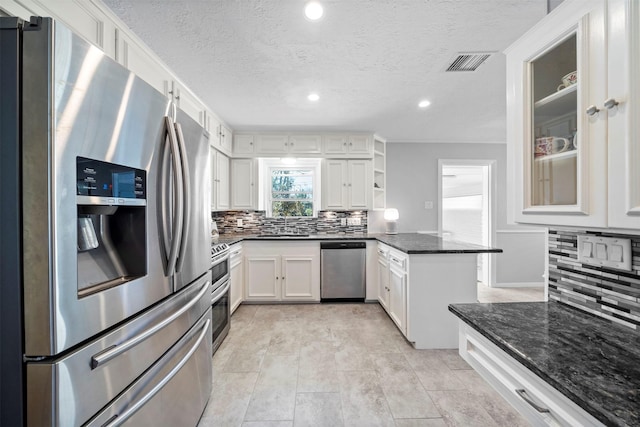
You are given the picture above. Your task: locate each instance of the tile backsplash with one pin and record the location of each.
(327, 222)
(605, 292)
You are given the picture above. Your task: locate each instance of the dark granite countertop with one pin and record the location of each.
(410, 243)
(594, 363)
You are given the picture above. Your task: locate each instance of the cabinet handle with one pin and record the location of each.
(251, 143)
(395, 259)
(277, 277)
(351, 144)
(592, 111)
(610, 103)
(344, 185)
(344, 143)
(523, 394)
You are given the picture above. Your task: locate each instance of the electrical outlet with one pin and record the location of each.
(239, 222)
(354, 221)
(343, 222)
(428, 204)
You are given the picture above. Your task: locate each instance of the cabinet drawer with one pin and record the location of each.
(536, 400)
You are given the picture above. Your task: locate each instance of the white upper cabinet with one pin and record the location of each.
(243, 184)
(346, 184)
(305, 144)
(243, 144)
(185, 100)
(226, 137)
(272, 144)
(359, 144)
(220, 176)
(556, 82)
(624, 125)
(342, 145)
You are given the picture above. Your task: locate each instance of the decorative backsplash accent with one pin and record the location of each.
(605, 292)
(327, 222)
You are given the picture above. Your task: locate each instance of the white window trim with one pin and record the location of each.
(269, 164)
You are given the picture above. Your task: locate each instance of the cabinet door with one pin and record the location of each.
(383, 283)
(243, 194)
(187, 102)
(226, 138)
(556, 85)
(623, 127)
(222, 181)
(272, 144)
(243, 144)
(398, 298)
(358, 184)
(214, 183)
(300, 278)
(306, 144)
(359, 144)
(262, 278)
(335, 144)
(237, 281)
(334, 184)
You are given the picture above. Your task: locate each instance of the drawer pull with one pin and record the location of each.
(523, 394)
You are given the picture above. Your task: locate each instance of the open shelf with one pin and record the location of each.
(557, 104)
(564, 155)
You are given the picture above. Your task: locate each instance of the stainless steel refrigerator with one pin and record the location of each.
(105, 245)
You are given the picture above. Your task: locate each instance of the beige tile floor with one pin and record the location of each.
(342, 365)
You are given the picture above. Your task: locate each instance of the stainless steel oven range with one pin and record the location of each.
(220, 305)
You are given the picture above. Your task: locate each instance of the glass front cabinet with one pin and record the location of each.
(568, 105)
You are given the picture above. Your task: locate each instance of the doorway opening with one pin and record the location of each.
(466, 208)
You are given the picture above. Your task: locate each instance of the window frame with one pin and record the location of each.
(301, 164)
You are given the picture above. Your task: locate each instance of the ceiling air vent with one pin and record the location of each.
(468, 61)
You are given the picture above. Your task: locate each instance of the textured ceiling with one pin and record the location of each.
(255, 61)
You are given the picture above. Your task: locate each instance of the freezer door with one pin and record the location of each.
(77, 102)
(174, 392)
(70, 390)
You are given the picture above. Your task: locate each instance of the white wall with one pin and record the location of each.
(412, 179)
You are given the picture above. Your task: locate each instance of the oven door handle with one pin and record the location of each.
(119, 419)
(116, 350)
(186, 207)
(215, 297)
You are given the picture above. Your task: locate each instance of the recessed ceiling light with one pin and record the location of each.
(313, 97)
(313, 10)
(424, 103)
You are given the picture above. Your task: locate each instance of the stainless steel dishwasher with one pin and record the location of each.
(343, 272)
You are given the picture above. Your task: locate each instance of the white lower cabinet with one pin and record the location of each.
(392, 284)
(534, 398)
(237, 277)
(383, 276)
(282, 271)
(398, 290)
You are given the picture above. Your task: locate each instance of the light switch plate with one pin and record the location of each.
(609, 252)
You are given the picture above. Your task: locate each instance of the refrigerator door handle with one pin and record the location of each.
(178, 216)
(120, 419)
(186, 196)
(116, 350)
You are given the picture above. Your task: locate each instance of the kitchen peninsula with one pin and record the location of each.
(413, 276)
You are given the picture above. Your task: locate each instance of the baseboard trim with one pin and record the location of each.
(519, 285)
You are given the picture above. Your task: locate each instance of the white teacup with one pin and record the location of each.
(559, 145)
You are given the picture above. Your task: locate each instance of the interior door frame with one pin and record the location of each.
(492, 205)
